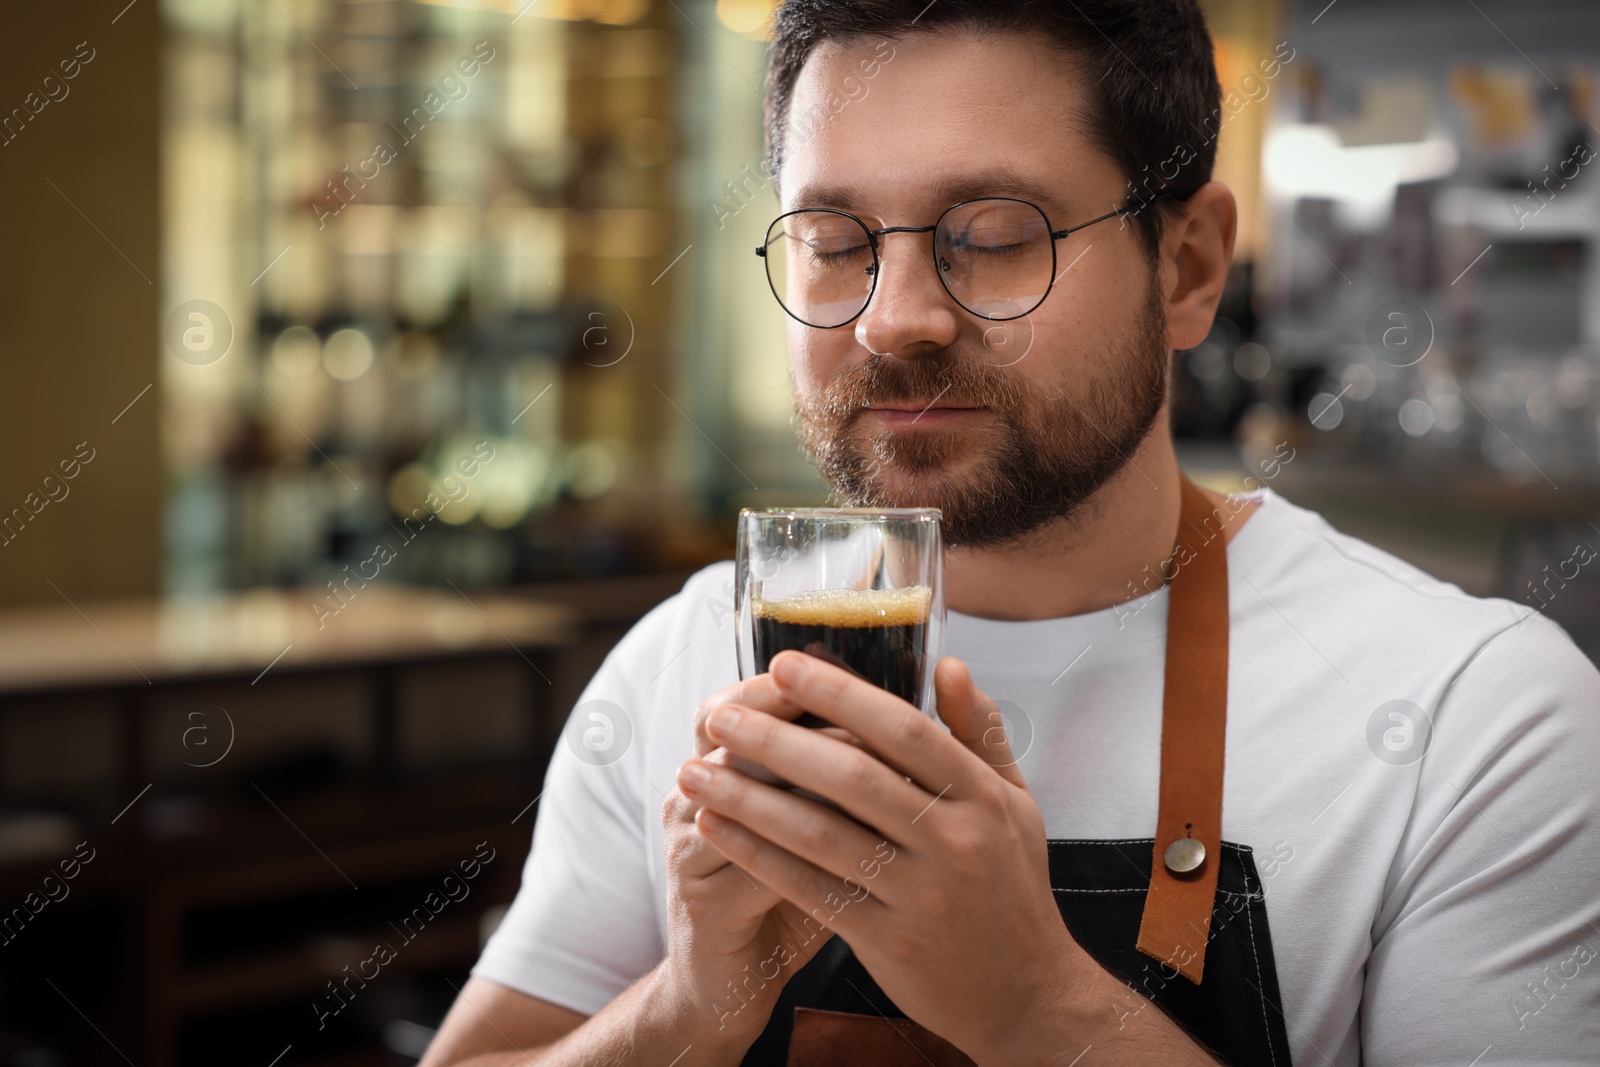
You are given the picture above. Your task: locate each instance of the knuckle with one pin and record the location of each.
(964, 848)
(732, 790)
(834, 683)
(679, 845)
(910, 731)
(985, 791)
(695, 892)
(676, 809)
(750, 692)
(819, 835)
(694, 904)
(858, 775)
(899, 948)
(761, 730)
(753, 692)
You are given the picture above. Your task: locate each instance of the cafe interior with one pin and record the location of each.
(369, 367)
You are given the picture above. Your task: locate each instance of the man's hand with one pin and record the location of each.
(730, 942)
(941, 885)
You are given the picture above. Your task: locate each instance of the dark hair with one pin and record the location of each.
(1155, 112)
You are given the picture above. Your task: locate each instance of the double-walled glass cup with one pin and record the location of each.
(861, 588)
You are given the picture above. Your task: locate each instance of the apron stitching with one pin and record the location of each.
(1130, 841)
(1250, 924)
(1135, 889)
(1141, 889)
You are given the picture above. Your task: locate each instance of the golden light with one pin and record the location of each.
(296, 352)
(610, 12)
(408, 488)
(752, 18)
(348, 354)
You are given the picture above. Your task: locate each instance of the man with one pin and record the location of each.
(1404, 864)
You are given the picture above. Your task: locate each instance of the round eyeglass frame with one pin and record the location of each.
(933, 240)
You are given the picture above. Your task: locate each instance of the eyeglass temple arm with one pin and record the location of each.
(1123, 210)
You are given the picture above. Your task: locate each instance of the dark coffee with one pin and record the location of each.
(879, 634)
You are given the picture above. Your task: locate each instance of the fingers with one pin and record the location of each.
(822, 837)
(906, 739)
(763, 774)
(974, 719)
(693, 860)
(759, 692)
(676, 808)
(829, 901)
(859, 783)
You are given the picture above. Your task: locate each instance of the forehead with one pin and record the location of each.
(917, 123)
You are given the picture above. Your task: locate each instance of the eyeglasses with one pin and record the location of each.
(995, 256)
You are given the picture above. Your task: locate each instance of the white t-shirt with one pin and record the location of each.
(1433, 893)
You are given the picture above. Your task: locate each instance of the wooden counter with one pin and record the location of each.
(89, 644)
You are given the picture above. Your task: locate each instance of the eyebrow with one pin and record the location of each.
(943, 191)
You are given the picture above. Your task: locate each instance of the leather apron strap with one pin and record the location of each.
(1194, 715)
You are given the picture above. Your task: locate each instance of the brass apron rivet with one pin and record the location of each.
(1184, 855)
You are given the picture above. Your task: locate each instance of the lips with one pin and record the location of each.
(916, 408)
(922, 417)
(933, 407)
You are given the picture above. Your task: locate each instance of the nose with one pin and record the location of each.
(910, 313)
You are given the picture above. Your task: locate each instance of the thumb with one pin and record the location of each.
(974, 719)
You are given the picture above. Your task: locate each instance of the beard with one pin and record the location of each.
(1039, 460)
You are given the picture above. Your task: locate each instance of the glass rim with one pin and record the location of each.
(824, 514)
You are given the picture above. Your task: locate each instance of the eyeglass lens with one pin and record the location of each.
(995, 258)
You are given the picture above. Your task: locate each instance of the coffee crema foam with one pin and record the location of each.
(849, 607)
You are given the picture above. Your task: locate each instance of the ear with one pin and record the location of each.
(1196, 248)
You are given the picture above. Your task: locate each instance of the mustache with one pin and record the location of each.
(955, 380)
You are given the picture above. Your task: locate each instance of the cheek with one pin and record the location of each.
(1105, 305)
(815, 356)
(1048, 344)
(1079, 333)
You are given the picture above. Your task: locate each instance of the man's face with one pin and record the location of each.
(1028, 417)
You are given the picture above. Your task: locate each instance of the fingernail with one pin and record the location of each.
(724, 721)
(694, 776)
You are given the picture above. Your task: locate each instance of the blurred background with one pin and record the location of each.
(367, 367)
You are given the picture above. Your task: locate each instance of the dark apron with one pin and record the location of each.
(1191, 938)
(1100, 889)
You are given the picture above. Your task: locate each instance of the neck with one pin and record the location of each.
(1083, 563)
